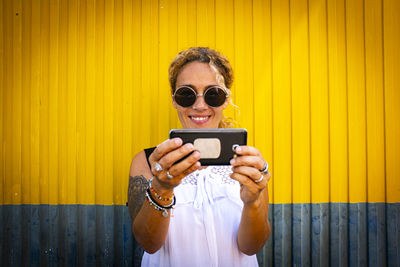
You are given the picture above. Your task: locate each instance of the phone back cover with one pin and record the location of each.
(227, 137)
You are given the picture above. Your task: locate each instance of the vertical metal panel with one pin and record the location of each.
(358, 239)
(302, 229)
(375, 108)
(263, 78)
(376, 225)
(391, 58)
(243, 54)
(337, 82)
(281, 101)
(84, 86)
(320, 239)
(282, 232)
(319, 102)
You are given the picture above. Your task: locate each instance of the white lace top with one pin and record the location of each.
(204, 224)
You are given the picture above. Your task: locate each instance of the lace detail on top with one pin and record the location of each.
(222, 175)
(191, 178)
(224, 172)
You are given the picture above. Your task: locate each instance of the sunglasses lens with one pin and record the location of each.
(185, 97)
(215, 96)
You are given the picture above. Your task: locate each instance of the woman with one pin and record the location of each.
(220, 215)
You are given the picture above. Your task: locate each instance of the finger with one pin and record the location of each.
(170, 158)
(253, 161)
(242, 179)
(191, 169)
(251, 181)
(267, 177)
(265, 180)
(250, 172)
(164, 148)
(166, 182)
(247, 150)
(181, 167)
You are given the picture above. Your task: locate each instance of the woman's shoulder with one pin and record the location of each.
(140, 156)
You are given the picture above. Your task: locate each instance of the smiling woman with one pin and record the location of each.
(224, 208)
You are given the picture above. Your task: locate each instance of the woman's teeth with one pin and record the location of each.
(199, 118)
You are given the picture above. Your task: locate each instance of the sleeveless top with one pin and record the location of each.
(203, 226)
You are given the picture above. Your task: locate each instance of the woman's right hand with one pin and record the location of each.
(166, 154)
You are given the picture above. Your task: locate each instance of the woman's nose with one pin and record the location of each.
(200, 104)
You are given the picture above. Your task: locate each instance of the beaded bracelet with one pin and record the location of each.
(157, 195)
(159, 207)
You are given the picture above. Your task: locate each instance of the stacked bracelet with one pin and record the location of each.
(157, 195)
(159, 207)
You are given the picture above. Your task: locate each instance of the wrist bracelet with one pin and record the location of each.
(157, 195)
(159, 207)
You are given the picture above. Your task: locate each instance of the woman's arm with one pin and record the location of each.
(254, 228)
(149, 226)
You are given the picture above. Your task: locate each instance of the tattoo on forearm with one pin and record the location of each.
(136, 194)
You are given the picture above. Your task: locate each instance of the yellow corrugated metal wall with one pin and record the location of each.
(84, 87)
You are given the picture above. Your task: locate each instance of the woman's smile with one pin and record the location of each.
(200, 119)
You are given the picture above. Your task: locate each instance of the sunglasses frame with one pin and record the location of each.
(205, 92)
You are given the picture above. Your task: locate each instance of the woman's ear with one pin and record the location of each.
(174, 103)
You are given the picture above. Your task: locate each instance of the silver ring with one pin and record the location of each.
(264, 170)
(158, 167)
(169, 175)
(259, 180)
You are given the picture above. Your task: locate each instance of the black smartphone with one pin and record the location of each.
(216, 146)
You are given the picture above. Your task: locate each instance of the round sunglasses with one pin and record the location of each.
(185, 96)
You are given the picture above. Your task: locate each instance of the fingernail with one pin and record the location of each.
(232, 161)
(196, 154)
(178, 141)
(198, 164)
(238, 149)
(189, 146)
(234, 147)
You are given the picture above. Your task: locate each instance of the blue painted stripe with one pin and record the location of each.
(325, 234)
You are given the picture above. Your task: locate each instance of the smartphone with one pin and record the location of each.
(216, 146)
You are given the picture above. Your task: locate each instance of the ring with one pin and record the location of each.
(264, 170)
(158, 167)
(169, 175)
(259, 180)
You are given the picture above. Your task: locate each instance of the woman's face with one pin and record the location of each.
(199, 76)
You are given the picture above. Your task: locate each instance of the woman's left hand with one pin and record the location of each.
(247, 169)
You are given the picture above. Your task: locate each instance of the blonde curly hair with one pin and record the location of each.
(218, 63)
